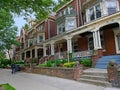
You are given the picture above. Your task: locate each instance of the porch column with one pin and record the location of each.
(69, 47)
(44, 49)
(35, 52)
(97, 40)
(52, 48)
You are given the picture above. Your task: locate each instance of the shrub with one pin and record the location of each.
(49, 63)
(70, 64)
(4, 63)
(86, 62)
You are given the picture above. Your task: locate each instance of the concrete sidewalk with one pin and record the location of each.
(27, 81)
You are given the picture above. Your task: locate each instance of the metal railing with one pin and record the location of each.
(82, 53)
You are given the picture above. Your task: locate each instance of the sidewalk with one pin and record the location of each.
(27, 81)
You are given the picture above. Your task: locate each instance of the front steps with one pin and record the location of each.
(104, 60)
(96, 77)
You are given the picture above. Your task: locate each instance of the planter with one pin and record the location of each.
(111, 73)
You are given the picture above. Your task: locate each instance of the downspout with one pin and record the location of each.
(81, 18)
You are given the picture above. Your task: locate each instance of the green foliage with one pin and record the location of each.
(70, 64)
(42, 65)
(60, 4)
(20, 63)
(7, 86)
(26, 7)
(49, 63)
(53, 63)
(4, 63)
(70, 56)
(86, 62)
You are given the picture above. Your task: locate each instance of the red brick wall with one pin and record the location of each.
(46, 30)
(64, 46)
(83, 43)
(53, 29)
(109, 41)
(69, 73)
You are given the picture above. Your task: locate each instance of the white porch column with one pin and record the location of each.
(99, 40)
(52, 48)
(44, 49)
(96, 40)
(69, 46)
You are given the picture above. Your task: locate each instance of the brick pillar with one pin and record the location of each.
(98, 54)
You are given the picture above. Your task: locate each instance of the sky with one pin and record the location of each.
(20, 22)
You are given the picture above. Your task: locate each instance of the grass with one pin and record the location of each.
(7, 86)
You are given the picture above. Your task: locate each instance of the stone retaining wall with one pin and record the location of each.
(69, 73)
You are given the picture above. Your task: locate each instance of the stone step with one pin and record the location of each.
(95, 82)
(102, 78)
(95, 73)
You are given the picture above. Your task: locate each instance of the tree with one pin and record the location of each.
(59, 4)
(9, 8)
(8, 31)
(41, 8)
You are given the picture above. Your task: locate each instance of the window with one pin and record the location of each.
(40, 28)
(71, 23)
(40, 38)
(93, 13)
(98, 11)
(61, 28)
(111, 6)
(75, 46)
(90, 42)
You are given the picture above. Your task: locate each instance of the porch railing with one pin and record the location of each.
(60, 55)
(87, 53)
(82, 53)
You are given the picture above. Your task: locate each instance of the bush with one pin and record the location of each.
(70, 64)
(18, 62)
(86, 62)
(49, 63)
(7, 86)
(4, 63)
(42, 65)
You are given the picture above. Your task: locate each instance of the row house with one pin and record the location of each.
(82, 28)
(31, 39)
(87, 28)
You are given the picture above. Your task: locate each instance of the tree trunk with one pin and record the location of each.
(9, 57)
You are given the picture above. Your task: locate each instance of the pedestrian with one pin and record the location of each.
(13, 68)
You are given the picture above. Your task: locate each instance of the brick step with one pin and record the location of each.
(102, 78)
(95, 82)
